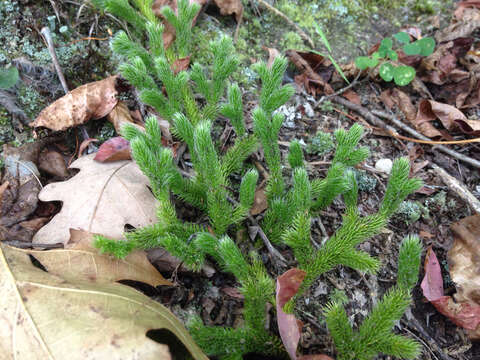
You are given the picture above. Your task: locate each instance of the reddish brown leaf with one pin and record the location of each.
(288, 326)
(113, 149)
(465, 315)
(432, 283)
(90, 101)
(181, 64)
(233, 292)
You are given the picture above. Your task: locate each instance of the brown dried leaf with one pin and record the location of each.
(259, 202)
(52, 162)
(113, 149)
(63, 314)
(312, 81)
(120, 115)
(461, 6)
(403, 102)
(102, 198)
(90, 101)
(450, 117)
(231, 7)
(464, 28)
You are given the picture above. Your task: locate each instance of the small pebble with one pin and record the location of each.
(384, 165)
(309, 110)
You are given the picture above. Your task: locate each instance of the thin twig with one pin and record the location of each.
(459, 188)
(338, 92)
(51, 49)
(413, 322)
(392, 131)
(271, 249)
(277, 12)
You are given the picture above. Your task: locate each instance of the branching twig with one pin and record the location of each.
(391, 130)
(277, 12)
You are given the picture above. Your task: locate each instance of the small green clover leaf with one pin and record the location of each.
(412, 49)
(386, 43)
(402, 37)
(403, 75)
(8, 77)
(393, 55)
(364, 62)
(386, 71)
(427, 45)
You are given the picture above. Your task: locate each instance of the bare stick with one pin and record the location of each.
(459, 188)
(51, 49)
(277, 12)
(380, 123)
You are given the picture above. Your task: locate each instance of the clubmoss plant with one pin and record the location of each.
(191, 100)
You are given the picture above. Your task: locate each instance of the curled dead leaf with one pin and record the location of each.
(90, 101)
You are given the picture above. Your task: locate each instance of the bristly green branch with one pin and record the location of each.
(192, 100)
(375, 335)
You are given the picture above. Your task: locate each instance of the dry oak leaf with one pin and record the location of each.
(80, 258)
(49, 316)
(90, 101)
(102, 198)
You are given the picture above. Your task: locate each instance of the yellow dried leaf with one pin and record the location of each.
(50, 316)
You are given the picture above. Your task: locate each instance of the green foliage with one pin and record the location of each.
(375, 335)
(325, 42)
(191, 101)
(401, 74)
